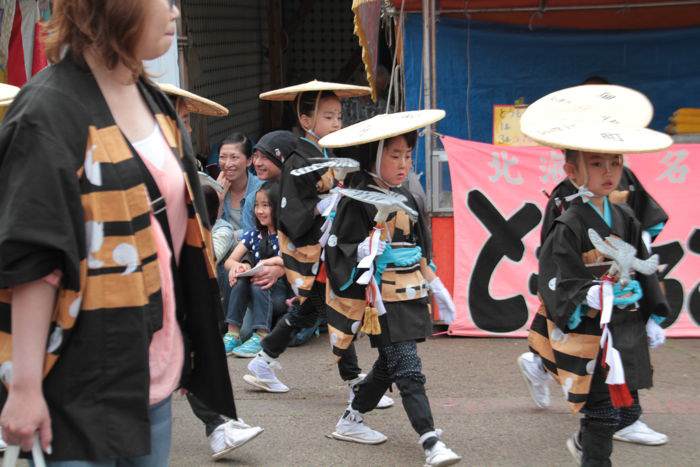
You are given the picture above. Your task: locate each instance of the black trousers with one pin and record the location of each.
(398, 363)
(210, 418)
(304, 316)
(601, 420)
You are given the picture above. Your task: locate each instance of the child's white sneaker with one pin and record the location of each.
(351, 427)
(440, 455)
(574, 446)
(231, 435)
(536, 378)
(640, 433)
(262, 374)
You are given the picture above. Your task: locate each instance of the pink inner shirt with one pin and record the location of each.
(166, 353)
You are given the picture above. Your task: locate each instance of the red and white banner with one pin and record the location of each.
(21, 47)
(498, 203)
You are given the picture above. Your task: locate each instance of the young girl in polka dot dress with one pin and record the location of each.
(261, 246)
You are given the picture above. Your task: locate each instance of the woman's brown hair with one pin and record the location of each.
(111, 27)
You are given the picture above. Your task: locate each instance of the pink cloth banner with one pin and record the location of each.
(498, 204)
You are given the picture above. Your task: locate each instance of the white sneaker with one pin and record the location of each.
(440, 455)
(351, 427)
(384, 403)
(536, 378)
(231, 435)
(640, 433)
(262, 374)
(574, 447)
(3, 444)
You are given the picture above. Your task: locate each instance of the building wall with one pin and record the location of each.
(227, 56)
(226, 62)
(321, 39)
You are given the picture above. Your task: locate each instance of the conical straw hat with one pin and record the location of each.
(290, 93)
(381, 127)
(596, 104)
(7, 94)
(194, 103)
(594, 118)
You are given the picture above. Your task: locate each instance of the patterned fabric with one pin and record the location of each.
(605, 414)
(74, 199)
(253, 241)
(566, 273)
(401, 360)
(299, 229)
(403, 288)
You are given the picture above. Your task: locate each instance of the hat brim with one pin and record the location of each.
(8, 93)
(343, 91)
(591, 105)
(594, 118)
(194, 103)
(381, 127)
(206, 180)
(610, 140)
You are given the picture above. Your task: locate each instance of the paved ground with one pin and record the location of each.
(477, 397)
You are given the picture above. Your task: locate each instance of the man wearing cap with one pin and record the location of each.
(270, 153)
(599, 302)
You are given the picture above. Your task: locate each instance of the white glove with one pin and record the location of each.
(656, 335)
(322, 205)
(646, 239)
(363, 248)
(446, 306)
(593, 297)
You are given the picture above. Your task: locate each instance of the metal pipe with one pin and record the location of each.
(427, 139)
(534, 9)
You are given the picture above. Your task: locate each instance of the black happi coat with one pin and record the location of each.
(564, 280)
(404, 290)
(630, 191)
(73, 199)
(299, 226)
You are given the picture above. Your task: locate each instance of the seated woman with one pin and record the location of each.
(263, 303)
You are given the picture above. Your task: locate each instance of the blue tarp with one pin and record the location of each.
(479, 65)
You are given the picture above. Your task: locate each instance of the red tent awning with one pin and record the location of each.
(576, 14)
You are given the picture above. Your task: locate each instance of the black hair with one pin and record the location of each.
(571, 156)
(366, 153)
(243, 140)
(411, 138)
(595, 80)
(272, 190)
(211, 200)
(307, 101)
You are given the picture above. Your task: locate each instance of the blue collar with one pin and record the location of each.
(606, 215)
(324, 151)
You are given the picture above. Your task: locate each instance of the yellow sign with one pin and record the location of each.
(506, 126)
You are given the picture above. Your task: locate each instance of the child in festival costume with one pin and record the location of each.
(652, 218)
(379, 278)
(299, 229)
(593, 339)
